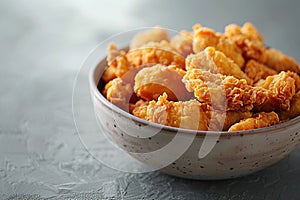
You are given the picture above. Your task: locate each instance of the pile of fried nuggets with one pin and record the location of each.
(204, 80)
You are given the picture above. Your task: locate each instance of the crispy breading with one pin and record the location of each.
(117, 62)
(282, 87)
(257, 71)
(233, 117)
(156, 53)
(188, 114)
(119, 93)
(151, 82)
(216, 62)
(259, 120)
(249, 40)
(155, 34)
(183, 43)
(205, 37)
(222, 91)
(139, 109)
(281, 62)
(294, 110)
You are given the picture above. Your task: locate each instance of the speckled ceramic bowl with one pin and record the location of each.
(176, 151)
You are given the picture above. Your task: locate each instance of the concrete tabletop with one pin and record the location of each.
(43, 44)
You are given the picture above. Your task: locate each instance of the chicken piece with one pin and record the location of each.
(118, 64)
(151, 82)
(155, 34)
(205, 37)
(216, 62)
(294, 110)
(257, 71)
(282, 87)
(249, 40)
(139, 109)
(233, 117)
(188, 114)
(259, 120)
(222, 91)
(281, 62)
(183, 43)
(156, 53)
(118, 93)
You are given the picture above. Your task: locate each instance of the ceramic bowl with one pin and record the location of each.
(175, 151)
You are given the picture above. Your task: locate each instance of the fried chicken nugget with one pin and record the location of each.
(155, 34)
(294, 110)
(118, 64)
(205, 37)
(118, 93)
(282, 87)
(281, 62)
(257, 71)
(223, 91)
(259, 120)
(151, 82)
(233, 117)
(156, 53)
(183, 43)
(184, 114)
(216, 62)
(188, 114)
(139, 108)
(249, 40)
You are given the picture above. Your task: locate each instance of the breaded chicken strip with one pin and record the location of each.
(139, 109)
(118, 93)
(281, 62)
(183, 43)
(294, 110)
(282, 87)
(155, 34)
(117, 62)
(222, 91)
(249, 40)
(156, 53)
(257, 71)
(216, 62)
(233, 117)
(188, 114)
(259, 120)
(205, 37)
(151, 82)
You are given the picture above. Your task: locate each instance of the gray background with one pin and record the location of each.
(42, 46)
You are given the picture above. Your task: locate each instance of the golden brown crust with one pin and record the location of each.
(281, 89)
(156, 53)
(249, 40)
(188, 114)
(222, 91)
(183, 43)
(155, 34)
(117, 62)
(119, 93)
(205, 37)
(257, 71)
(216, 62)
(259, 120)
(281, 62)
(151, 82)
(294, 110)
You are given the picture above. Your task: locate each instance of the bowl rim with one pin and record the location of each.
(93, 84)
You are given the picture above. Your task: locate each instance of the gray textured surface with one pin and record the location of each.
(42, 46)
